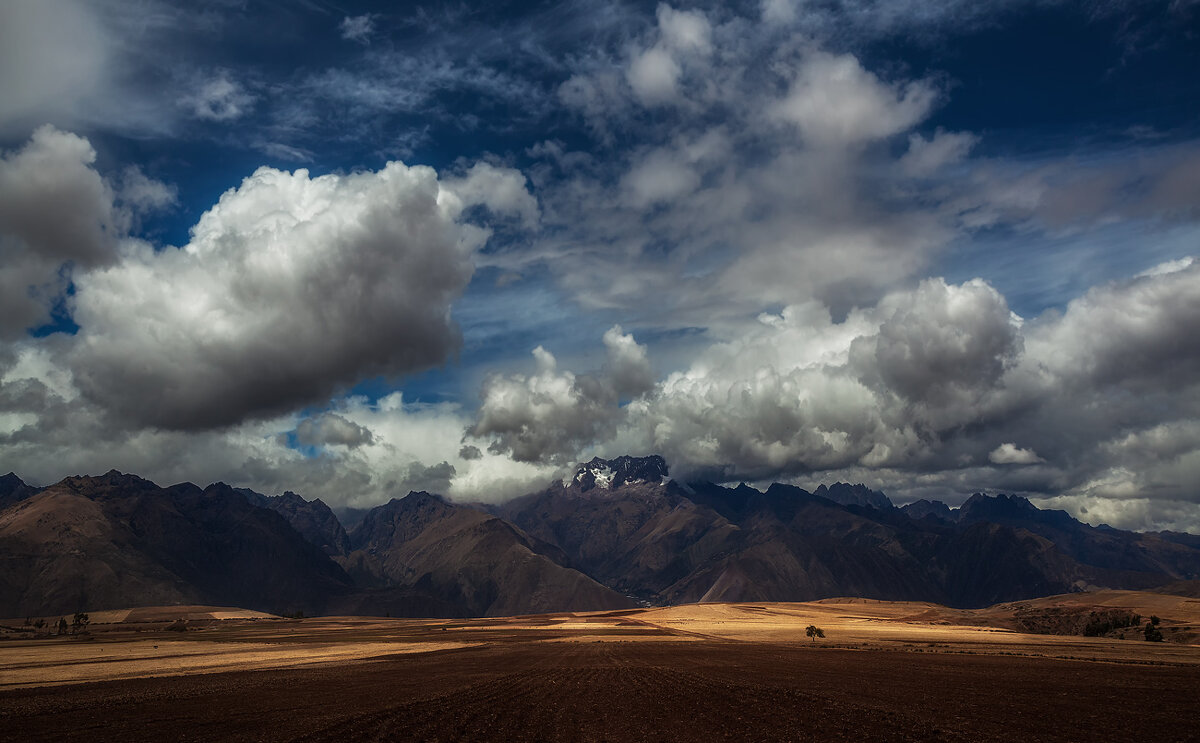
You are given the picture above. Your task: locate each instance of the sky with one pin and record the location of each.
(353, 249)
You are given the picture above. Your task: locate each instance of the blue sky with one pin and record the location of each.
(350, 249)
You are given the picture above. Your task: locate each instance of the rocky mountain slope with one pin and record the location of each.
(314, 520)
(613, 532)
(117, 541)
(626, 525)
(120, 541)
(664, 542)
(421, 555)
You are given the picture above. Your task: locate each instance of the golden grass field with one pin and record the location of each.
(133, 643)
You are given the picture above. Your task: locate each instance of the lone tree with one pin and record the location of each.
(814, 632)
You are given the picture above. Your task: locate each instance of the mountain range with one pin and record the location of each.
(616, 534)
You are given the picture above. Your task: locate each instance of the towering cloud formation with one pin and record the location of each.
(290, 288)
(550, 415)
(943, 345)
(941, 380)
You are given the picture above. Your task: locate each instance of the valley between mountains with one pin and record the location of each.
(616, 535)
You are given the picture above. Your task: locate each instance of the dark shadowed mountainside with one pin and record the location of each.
(118, 541)
(314, 520)
(422, 556)
(14, 490)
(614, 532)
(625, 524)
(935, 509)
(669, 543)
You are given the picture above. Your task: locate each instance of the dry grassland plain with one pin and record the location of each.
(885, 670)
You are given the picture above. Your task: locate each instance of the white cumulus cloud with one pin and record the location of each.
(550, 415)
(290, 288)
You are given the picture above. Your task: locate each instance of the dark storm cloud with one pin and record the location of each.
(469, 452)
(432, 479)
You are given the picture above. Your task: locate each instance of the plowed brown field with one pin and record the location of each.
(624, 677)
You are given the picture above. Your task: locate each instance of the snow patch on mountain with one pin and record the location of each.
(612, 474)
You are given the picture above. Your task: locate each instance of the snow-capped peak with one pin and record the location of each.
(602, 475)
(613, 473)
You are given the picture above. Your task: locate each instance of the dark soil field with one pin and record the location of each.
(517, 689)
(886, 671)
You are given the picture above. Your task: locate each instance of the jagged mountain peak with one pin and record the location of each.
(608, 474)
(13, 490)
(100, 484)
(925, 508)
(10, 483)
(313, 519)
(1000, 504)
(416, 503)
(1014, 509)
(420, 497)
(854, 495)
(634, 531)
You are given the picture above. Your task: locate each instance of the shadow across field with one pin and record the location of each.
(711, 672)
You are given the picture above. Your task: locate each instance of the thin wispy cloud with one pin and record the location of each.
(358, 28)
